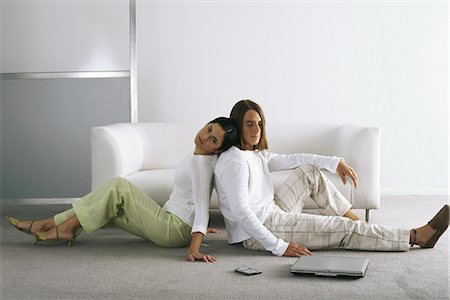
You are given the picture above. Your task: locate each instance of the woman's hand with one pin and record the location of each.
(194, 256)
(296, 250)
(194, 253)
(343, 170)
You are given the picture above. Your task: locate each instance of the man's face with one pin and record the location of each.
(251, 129)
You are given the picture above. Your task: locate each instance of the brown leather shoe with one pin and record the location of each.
(440, 224)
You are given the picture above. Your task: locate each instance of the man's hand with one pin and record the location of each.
(197, 256)
(343, 170)
(297, 250)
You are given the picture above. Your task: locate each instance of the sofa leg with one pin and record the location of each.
(367, 215)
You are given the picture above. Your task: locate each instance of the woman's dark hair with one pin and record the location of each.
(231, 137)
(237, 115)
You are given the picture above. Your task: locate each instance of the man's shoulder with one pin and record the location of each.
(231, 152)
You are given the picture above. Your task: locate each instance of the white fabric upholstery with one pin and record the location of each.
(148, 153)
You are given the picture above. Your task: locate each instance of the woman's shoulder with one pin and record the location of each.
(204, 160)
(198, 160)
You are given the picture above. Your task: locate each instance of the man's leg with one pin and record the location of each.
(309, 182)
(327, 232)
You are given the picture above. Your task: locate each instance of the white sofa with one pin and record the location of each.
(148, 153)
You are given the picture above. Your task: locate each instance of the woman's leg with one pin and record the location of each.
(309, 182)
(324, 232)
(63, 216)
(124, 204)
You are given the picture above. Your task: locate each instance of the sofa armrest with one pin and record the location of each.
(359, 146)
(116, 151)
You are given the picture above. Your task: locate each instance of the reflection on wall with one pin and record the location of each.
(46, 133)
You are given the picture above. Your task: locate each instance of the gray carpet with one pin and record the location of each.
(113, 264)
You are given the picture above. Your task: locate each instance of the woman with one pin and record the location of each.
(173, 225)
(264, 221)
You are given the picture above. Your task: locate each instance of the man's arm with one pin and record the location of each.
(233, 180)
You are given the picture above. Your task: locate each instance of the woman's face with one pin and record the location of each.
(251, 129)
(209, 139)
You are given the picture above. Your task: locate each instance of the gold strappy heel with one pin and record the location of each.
(42, 236)
(14, 222)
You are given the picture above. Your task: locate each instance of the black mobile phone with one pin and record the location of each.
(248, 271)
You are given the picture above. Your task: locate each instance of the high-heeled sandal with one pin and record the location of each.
(439, 223)
(14, 222)
(42, 236)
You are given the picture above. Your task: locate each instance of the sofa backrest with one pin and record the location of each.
(165, 145)
(301, 138)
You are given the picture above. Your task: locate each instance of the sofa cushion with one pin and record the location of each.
(155, 183)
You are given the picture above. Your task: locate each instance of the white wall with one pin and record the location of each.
(374, 63)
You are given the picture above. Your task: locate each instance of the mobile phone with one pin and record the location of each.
(248, 271)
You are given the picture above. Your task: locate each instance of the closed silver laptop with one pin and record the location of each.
(331, 266)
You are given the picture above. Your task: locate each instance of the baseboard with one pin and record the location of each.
(384, 193)
(415, 192)
(39, 201)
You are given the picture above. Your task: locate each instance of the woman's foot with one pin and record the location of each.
(58, 233)
(66, 231)
(35, 226)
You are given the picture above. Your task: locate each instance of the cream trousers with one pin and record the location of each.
(122, 203)
(329, 229)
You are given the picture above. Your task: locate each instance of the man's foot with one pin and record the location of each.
(420, 236)
(351, 215)
(426, 236)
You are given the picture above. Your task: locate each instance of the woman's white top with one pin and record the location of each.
(246, 192)
(190, 198)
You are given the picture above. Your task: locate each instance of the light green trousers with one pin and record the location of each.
(122, 203)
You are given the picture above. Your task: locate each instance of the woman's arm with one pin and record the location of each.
(194, 249)
(202, 167)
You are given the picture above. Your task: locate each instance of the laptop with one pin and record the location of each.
(354, 267)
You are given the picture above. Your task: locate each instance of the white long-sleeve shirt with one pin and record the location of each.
(246, 192)
(190, 198)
